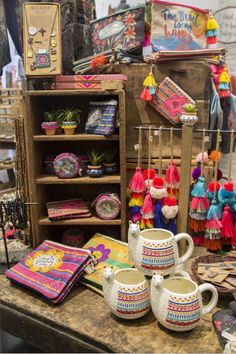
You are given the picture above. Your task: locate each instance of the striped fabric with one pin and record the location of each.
(50, 270)
(101, 118)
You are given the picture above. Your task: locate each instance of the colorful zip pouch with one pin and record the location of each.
(101, 117)
(68, 209)
(177, 27)
(107, 206)
(109, 252)
(123, 30)
(169, 100)
(66, 165)
(51, 270)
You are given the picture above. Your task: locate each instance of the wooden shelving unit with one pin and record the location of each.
(44, 188)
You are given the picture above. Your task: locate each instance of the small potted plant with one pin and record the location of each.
(69, 119)
(95, 163)
(109, 165)
(50, 123)
(189, 116)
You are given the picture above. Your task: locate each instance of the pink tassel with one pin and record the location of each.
(213, 224)
(227, 223)
(172, 175)
(147, 210)
(200, 203)
(137, 182)
(233, 239)
(198, 241)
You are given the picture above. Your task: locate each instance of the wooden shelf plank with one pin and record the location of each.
(74, 92)
(7, 166)
(83, 221)
(75, 137)
(47, 179)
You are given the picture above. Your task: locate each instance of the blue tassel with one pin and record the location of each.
(158, 216)
(212, 33)
(224, 86)
(214, 212)
(171, 226)
(152, 90)
(135, 210)
(210, 195)
(226, 197)
(200, 188)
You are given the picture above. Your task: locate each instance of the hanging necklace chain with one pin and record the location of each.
(27, 24)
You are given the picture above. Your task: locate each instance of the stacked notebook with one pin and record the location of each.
(68, 209)
(108, 252)
(51, 270)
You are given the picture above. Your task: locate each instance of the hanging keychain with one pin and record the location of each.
(150, 86)
(227, 198)
(147, 210)
(170, 208)
(137, 186)
(213, 225)
(200, 203)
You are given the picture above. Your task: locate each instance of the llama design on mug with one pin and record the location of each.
(159, 257)
(183, 311)
(132, 302)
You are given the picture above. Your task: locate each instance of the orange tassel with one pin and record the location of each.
(197, 225)
(212, 245)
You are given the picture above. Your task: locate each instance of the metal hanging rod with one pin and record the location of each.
(179, 130)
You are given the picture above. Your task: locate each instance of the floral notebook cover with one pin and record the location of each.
(50, 270)
(109, 252)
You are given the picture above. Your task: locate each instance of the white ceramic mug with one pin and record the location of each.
(126, 292)
(177, 301)
(157, 249)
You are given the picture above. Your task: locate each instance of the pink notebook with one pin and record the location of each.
(67, 209)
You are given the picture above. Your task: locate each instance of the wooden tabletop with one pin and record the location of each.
(83, 323)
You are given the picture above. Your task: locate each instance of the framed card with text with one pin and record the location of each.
(42, 39)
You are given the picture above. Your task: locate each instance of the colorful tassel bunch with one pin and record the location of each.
(137, 187)
(224, 83)
(150, 86)
(211, 30)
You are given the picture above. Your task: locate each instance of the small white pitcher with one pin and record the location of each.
(157, 249)
(177, 301)
(126, 292)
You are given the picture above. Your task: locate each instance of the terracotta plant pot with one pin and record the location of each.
(69, 127)
(49, 127)
(95, 171)
(109, 168)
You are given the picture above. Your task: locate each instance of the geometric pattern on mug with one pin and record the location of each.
(161, 258)
(184, 312)
(133, 302)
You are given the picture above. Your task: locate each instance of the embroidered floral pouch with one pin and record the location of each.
(169, 100)
(109, 252)
(123, 30)
(51, 270)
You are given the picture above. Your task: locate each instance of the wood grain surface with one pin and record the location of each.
(83, 323)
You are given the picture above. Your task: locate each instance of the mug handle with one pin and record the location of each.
(214, 299)
(190, 249)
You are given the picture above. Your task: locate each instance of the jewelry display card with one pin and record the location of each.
(42, 39)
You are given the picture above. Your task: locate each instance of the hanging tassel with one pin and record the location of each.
(151, 173)
(158, 216)
(226, 194)
(157, 190)
(224, 83)
(98, 61)
(198, 241)
(211, 24)
(136, 200)
(171, 226)
(224, 76)
(200, 188)
(147, 211)
(201, 156)
(137, 182)
(212, 186)
(197, 225)
(212, 245)
(211, 30)
(172, 175)
(196, 173)
(214, 154)
(215, 211)
(170, 208)
(227, 223)
(150, 87)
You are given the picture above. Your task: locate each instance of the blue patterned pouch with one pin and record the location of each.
(101, 117)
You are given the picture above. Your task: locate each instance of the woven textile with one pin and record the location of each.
(50, 270)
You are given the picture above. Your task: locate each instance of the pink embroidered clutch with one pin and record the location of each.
(169, 100)
(51, 270)
(68, 209)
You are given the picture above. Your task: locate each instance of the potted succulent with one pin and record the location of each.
(109, 165)
(189, 116)
(95, 163)
(69, 119)
(50, 123)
